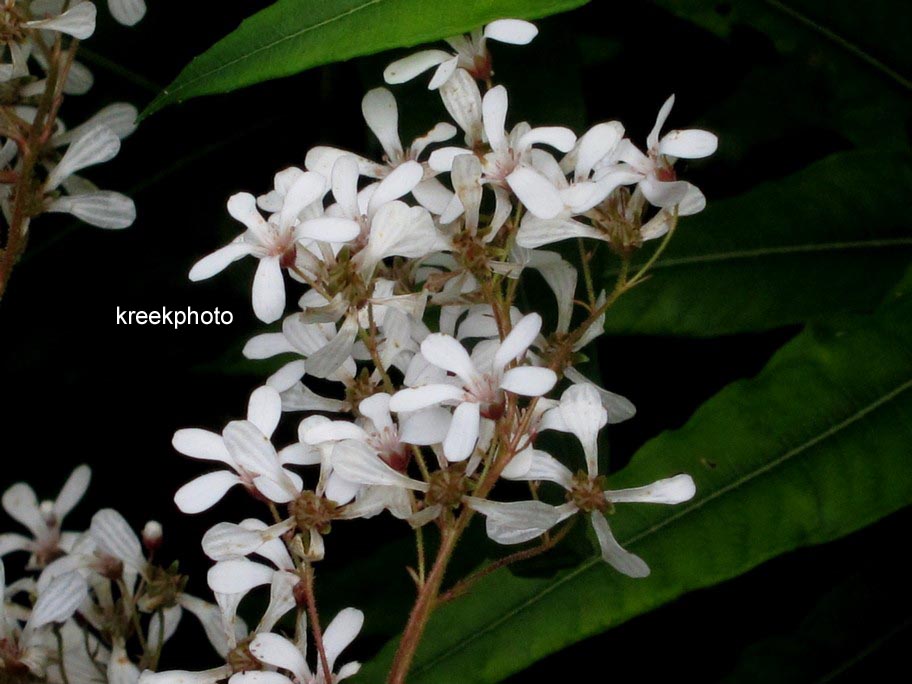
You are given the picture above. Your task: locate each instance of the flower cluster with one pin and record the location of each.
(91, 603)
(418, 384)
(40, 158)
(411, 269)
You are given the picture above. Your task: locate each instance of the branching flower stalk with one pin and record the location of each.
(39, 157)
(412, 271)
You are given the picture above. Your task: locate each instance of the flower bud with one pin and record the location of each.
(152, 536)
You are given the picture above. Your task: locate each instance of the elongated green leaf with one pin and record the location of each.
(862, 57)
(829, 239)
(293, 35)
(816, 446)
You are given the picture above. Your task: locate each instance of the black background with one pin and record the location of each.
(75, 387)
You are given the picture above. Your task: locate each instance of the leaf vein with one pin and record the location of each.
(269, 46)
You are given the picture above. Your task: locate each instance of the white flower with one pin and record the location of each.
(44, 520)
(93, 143)
(479, 384)
(471, 54)
(281, 653)
(581, 413)
(511, 161)
(382, 116)
(274, 241)
(245, 447)
(378, 431)
(659, 184)
(389, 227)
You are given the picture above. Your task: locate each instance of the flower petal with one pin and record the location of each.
(238, 576)
(265, 409)
(269, 290)
(219, 260)
(280, 652)
(113, 536)
(494, 116)
(407, 68)
(672, 490)
(103, 208)
(536, 192)
(205, 491)
(463, 433)
(398, 183)
(414, 398)
(59, 600)
(201, 444)
(356, 462)
(529, 381)
(689, 144)
(341, 632)
(518, 340)
(425, 427)
(382, 117)
(72, 491)
(78, 21)
(447, 353)
(95, 146)
(512, 31)
(582, 412)
(612, 552)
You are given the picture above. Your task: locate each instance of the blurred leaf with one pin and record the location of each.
(862, 56)
(831, 238)
(293, 35)
(814, 447)
(849, 624)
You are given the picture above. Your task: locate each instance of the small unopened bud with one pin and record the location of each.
(48, 514)
(152, 535)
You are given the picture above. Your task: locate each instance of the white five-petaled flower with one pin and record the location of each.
(245, 447)
(43, 520)
(581, 413)
(659, 182)
(471, 54)
(511, 161)
(479, 383)
(274, 241)
(382, 116)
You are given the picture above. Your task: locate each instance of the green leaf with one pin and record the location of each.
(831, 238)
(814, 447)
(293, 35)
(863, 57)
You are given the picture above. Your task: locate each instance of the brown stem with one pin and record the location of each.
(314, 617)
(427, 599)
(465, 584)
(38, 135)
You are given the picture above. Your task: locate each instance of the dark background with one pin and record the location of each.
(75, 387)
